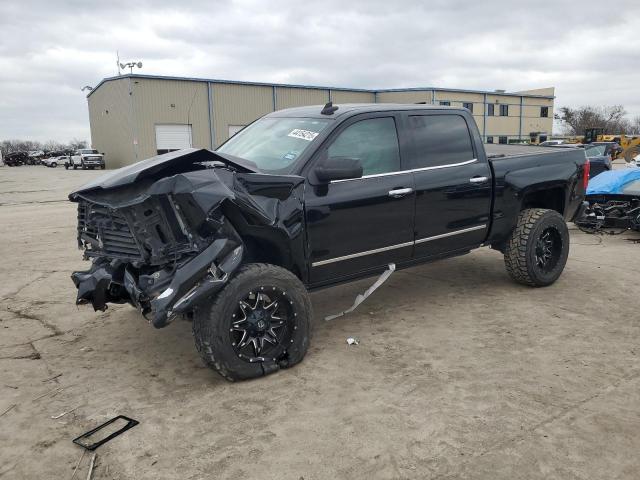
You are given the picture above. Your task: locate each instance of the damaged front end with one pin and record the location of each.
(612, 202)
(167, 233)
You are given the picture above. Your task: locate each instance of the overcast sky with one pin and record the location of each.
(588, 50)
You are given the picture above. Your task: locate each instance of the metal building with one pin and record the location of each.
(134, 117)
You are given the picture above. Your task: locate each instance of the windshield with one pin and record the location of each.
(594, 150)
(274, 144)
(88, 151)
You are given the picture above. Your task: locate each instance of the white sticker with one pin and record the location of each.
(303, 134)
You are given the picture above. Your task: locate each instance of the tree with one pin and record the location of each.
(577, 120)
(76, 144)
(634, 126)
(9, 146)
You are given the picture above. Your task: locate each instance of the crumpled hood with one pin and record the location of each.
(167, 232)
(154, 168)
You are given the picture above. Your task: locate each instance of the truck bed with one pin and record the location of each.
(521, 170)
(497, 151)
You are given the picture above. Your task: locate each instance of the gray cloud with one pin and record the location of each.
(50, 49)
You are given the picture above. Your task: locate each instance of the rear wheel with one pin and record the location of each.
(538, 247)
(258, 323)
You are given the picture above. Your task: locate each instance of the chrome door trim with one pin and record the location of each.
(399, 245)
(361, 254)
(400, 172)
(450, 234)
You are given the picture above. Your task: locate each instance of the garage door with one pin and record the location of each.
(173, 137)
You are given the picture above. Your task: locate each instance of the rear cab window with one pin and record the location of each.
(439, 140)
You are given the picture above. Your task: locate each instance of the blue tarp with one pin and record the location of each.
(613, 181)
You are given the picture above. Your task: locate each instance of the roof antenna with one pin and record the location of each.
(328, 109)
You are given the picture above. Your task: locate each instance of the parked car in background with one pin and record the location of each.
(87, 158)
(598, 159)
(15, 159)
(551, 143)
(57, 160)
(613, 149)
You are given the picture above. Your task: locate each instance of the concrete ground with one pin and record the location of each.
(460, 373)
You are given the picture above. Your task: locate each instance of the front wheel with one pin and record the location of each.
(538, 247)
(258, 323)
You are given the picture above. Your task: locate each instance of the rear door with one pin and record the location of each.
(453, 185)
(361, 224)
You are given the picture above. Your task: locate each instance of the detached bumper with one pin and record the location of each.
(198, 279)
(93, 285)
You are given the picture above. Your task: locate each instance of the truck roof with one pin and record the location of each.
(348, 109)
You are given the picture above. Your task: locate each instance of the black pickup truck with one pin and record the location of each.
(310, 197)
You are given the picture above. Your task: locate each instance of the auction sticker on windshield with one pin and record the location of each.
(303, 134)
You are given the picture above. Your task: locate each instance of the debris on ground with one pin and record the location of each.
(91, 465)
(55, 417)
(352, 341)
(8, 409)
(85, 441)
(362, 296)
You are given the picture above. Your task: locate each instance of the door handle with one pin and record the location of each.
(400, 192)
(478, 179)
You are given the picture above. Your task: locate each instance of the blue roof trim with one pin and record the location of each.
(313, 87)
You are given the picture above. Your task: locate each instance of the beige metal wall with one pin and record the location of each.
(235, 104)
(347, 96)
(413, 96)
(110, 119)
(287, 97)
(158, 102)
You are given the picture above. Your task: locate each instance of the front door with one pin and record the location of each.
(361, 224)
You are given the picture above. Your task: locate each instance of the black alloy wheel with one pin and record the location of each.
(548, 249)
(262, 324)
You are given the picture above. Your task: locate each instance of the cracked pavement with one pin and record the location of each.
(459, 373)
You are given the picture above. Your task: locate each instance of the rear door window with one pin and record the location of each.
(439, 140)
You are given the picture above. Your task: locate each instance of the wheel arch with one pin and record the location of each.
(549, 198)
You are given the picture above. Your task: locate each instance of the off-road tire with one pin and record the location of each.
(211, 322)
(66, 166)
(75, 167)
(520, 249)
